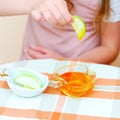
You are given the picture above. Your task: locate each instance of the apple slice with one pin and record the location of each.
(79, 26)
(28, 80)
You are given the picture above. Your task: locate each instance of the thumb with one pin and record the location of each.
(37, 16)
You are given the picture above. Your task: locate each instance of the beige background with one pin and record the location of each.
(11, 34)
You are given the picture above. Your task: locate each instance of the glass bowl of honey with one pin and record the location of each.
(75, 80)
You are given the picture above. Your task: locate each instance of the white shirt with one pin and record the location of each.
(115, 11)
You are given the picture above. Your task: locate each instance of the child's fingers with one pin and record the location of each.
(28, 57)
(37, 15)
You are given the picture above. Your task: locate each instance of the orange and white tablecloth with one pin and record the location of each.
(103, 103)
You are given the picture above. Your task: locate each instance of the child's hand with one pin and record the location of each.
(39, 52)
(55, 12)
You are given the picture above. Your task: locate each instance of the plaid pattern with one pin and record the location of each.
(103, 103)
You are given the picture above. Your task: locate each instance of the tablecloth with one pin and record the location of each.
(103, 103)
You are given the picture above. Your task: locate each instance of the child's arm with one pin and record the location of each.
(54, 12)
(110, 45)
(17, 7)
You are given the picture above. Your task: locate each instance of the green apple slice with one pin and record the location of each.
(30, 74)
(28, 80)
(79, 26)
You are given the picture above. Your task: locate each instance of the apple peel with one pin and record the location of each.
(79, 26)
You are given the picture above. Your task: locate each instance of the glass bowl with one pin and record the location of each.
(75, 80)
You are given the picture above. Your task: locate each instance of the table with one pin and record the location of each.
(103, 103)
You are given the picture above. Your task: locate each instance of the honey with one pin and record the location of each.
(76, 83)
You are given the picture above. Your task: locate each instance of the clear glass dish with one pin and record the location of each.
(74, 80)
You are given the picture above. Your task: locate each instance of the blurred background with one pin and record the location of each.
(11, 35)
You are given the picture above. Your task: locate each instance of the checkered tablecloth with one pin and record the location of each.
(103, 103)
